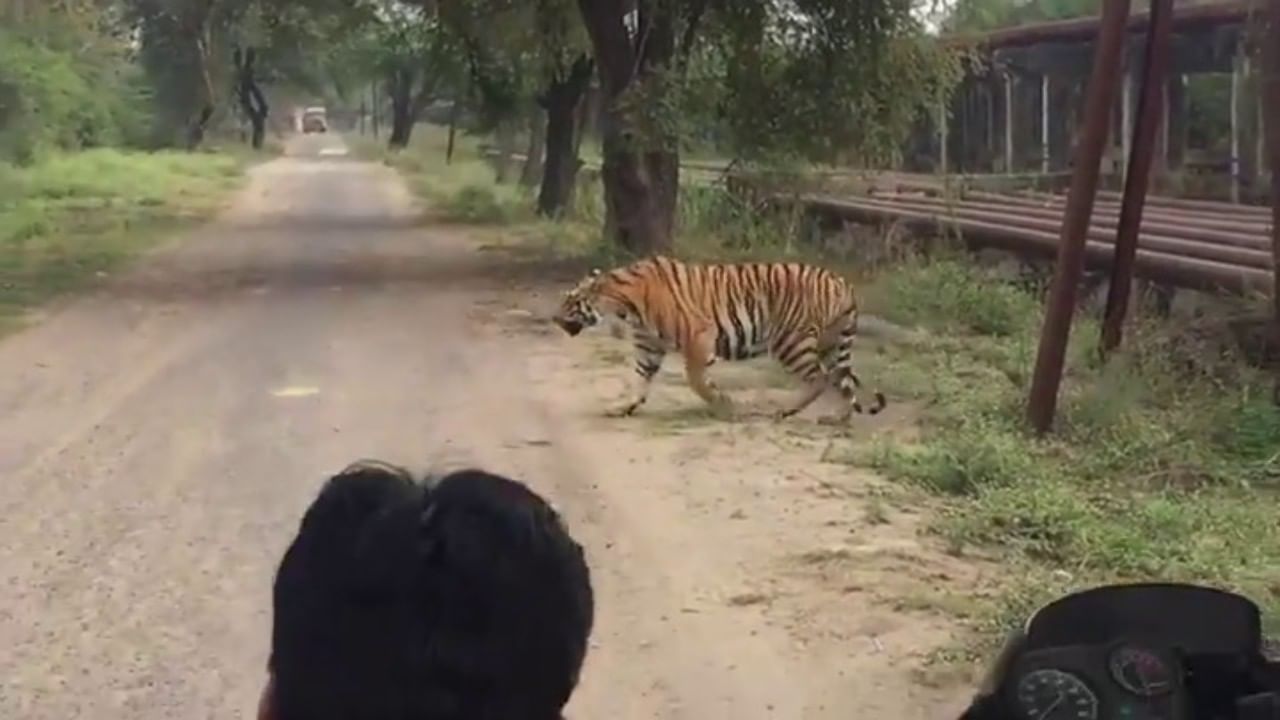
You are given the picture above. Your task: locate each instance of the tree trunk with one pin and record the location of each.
(506, 148)
(252, 101)
(561, 103)
(401, 125)
(405, 107)
(453, 130)
(200, 122)
(587, 112)
(532, 171)
(640, 176)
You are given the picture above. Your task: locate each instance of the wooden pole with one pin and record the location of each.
(1138, 171)
(1271, 121)
(1235, 126)
(1051, 355)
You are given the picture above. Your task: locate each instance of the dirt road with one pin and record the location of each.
(160, 438)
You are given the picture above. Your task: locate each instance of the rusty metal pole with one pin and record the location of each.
(1138, 170)
(1103, 81)
(1271, 122)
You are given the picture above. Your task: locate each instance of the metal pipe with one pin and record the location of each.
(1209, 231)
(1138, 170)
(1161, 267)
(1255, 257)
(1051, 355)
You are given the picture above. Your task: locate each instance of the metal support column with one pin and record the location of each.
(1044, 124)
(1100, 98)
(1008, 123)
(1126, 118)
(942, 136)
(1138, 170)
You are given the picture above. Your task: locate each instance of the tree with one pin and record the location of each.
(252, 102)
(560, 101)
(819, 79)
(524, 56)
(181, 41)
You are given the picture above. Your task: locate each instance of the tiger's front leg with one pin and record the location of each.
(649, 355)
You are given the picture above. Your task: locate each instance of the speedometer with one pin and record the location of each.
(1055, 695)
(1141, 672)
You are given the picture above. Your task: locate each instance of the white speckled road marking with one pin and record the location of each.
(295, 391)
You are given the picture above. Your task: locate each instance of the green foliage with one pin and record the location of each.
(980, 15)
(513, 50)
(463, 191)
(949, 296)
(1163, 464)
(69, 217)
(838, 82)
(62, 87)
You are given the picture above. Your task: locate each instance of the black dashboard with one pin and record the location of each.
(1132, 652)
(1123, 680)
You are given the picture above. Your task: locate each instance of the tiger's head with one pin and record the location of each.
(578, 310)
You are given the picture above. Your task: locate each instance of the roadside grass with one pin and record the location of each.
(70, 218)
(1164, 463)
(459, 191)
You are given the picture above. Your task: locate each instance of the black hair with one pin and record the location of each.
(465, 598)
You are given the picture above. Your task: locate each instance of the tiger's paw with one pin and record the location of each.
(625, 410)
(783, 414)
(723, 409)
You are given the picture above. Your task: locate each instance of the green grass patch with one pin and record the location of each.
(1164, 463)
(70, 217)
(461, 190)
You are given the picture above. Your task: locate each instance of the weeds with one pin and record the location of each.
(71, 217)
(460, 190)
(1159, 467)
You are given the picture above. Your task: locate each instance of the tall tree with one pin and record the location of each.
(523, 52)
(819, 79)
(418, 56)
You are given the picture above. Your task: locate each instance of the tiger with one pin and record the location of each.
(802, 315)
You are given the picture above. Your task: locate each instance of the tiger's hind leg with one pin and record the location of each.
(800, 356)
(846, 380)
(699, 354)
(649, 355)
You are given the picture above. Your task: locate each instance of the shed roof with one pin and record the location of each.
(1203, 16)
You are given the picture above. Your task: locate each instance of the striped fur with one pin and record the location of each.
(804, 316)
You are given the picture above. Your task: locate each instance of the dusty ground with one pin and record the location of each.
(160, 438)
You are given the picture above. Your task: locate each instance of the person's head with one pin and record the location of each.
(464, 598)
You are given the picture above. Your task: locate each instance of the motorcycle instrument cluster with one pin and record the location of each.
(1056, 695)
(1121, 681)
